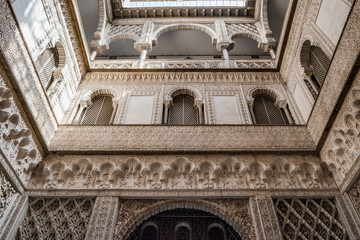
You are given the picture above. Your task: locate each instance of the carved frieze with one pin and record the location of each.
(181, 138)
(168, 172)
(183, 77)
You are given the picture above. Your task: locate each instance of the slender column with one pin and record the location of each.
(167, 104)
(225, 53)
(103, 218)
(312, 84)
(264, 217)
(251, 108)
(142, 58)
(199, 106)
(288, 115)
(82, 106)
(349, 217)
(93, 55)
(272, 53)
(116, 105)
(13, 216)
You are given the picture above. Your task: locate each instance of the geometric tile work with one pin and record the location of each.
(304, 219)
(56, 218)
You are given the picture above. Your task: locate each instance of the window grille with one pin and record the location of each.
(99, 112)
(183, 111)
(46, 64)
(304, 219)
(267, 113)
(320, 63)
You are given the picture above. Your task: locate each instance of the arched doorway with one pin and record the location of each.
(184, 224)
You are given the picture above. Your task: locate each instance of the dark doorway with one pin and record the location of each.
(184, 224)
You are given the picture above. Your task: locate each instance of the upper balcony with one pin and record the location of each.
(213, 34)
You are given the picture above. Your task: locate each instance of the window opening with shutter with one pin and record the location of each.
(320, 64)
(99, 112)
(183, 111)
(46, 63)
(267, 113)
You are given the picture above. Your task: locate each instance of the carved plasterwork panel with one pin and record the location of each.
(223, 90)
(6, 192)
(56, 218)
(309, 219)
(169, 172)
(143, 90)
(342, 147)
(16, 139)
(103, 218)
(236, 212)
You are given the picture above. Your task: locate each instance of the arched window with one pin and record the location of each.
(149, 231)
(320, 64)
(216, 232)
(316, 64)
(182, 231)
(183, 111)
(46, 63)
(99, 112)
(266, 112)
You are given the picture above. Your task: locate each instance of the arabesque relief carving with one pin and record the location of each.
(172, 172)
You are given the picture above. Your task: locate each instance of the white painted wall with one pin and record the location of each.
(32, 19)
(139, 110)
(226, 110)
(332, 17)
(302, 101)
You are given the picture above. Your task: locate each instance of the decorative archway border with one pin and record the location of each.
(236, 212)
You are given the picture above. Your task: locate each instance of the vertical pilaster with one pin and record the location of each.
(103, 218)
(13, 216)
(349, 216)
(265, 219)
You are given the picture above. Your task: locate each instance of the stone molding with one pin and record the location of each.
(182, 64)
(190, 172)
(236, 212)
(103, 218)
(265, 219)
